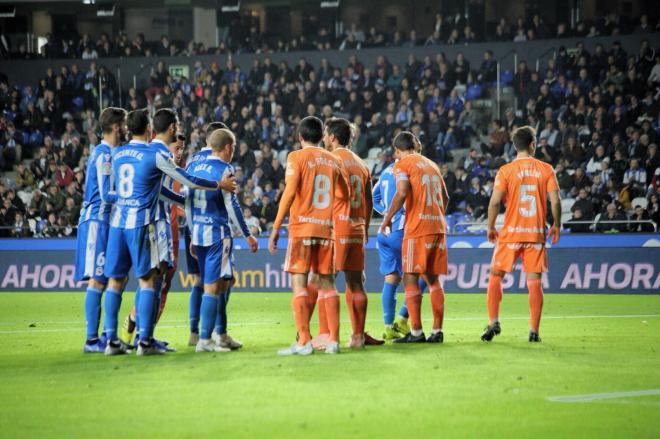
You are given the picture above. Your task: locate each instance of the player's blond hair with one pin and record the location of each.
(221, 138)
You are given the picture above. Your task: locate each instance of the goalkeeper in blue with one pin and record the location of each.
(389, 253)
(208, 214)
(138, 172)
(93, 225)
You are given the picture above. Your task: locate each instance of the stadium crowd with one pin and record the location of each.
(245, 38)
(596, 116)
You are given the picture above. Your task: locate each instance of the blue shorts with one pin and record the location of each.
(90, 251)
(389, 252)
(132, 247)
(215, 261)
(164, 239)
(193, 266)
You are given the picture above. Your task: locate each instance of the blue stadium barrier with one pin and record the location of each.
(622, 264)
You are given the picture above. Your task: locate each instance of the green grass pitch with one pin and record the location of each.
(592, 344)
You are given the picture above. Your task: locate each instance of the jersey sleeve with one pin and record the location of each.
(553, 185)
(400, 172)
(166, 165)
(292, 178)
(234, 208)
(500, 181)
(104, 178)
(170, 196)
(377, 196)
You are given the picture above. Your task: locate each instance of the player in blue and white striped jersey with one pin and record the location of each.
(197, 290)
(93, 225)
(208, 215)
(389, 252)
(138, 174)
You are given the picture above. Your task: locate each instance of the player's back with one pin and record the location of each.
(206, 210)
(99, 167)
(137, 181)
(311, 211)
(425, 203)
(198, 156)
(525, 183)
(384, 191)
(351, 215)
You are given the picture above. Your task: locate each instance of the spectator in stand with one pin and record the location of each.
(575, 224)
(640, 214)
(612, 221)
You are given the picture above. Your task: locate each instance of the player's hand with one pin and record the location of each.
(192, 251)
(553, 234)
(272, 241)
(228, 183)
(492, 235)
(254, 244)
(385, 226)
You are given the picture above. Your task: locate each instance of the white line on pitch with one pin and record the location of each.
(178, 323)
(600, 396)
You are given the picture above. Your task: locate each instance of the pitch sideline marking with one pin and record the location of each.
(602, 396)
(274, 322)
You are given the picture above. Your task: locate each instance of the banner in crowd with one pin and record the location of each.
(572, 270)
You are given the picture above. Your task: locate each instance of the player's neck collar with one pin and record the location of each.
(206, 148)
(138, 142)
(156, 140)
(524, 157)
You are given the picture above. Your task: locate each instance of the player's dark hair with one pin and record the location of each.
(340, 128)
(221, 138)
(405, 141)
(111, 116)
(215, 126)
(137, 121)
(311, 129)
(163, 119)
(523, 138)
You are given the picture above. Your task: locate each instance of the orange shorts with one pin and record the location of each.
(425, 254)
(349, 253)
(533, 255)
(304, 255)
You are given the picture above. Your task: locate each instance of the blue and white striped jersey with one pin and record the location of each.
(138, 170)
(209, 212)
(200, 155)
(98, 184)
(168, 183)
(383, 193)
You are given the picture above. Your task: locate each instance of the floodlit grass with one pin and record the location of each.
(463, 388)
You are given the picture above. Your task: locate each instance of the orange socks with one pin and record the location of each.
(535, 303)
(315, 298)
(414, 303)
(438, 304)
(330, 299)
(494, 297)
(312, 298)
(301, 315)
(351, 309)
(360, 302)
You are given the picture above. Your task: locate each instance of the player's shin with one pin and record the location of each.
(221, 317)
(145, 313)
(111, 305)
(414, 301)
(494, 297)
(194, 307)
(301, 314)
(437, 294)
(351, 309)
(388, 299)
(360, 302)
(209, 313)
(535, 289)
(312, 298)
(92, 312)
(331, 302)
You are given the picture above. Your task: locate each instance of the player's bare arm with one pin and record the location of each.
(402, 191)
(555, 207)
(493, 211)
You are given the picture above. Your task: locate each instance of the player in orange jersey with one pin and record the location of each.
(314, 177)
(523, 185)
(351, 222)
(421, 187)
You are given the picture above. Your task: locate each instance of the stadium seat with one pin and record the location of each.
(373, 152)
(565, 216)
(473, 92)
(282, 155)
(506, 77)
(78, 102)
(567, 204)
(640, 201)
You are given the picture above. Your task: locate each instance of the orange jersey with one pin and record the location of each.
(525, 183)
(350, 216)
(426, 202)
(314, 177)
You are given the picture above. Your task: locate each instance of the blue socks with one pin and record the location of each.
(209, 313)
(145, 309)
(194, 307)
(92, 312)
(403, 312)
(388, 299)
(221, 318)
(111, 304)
